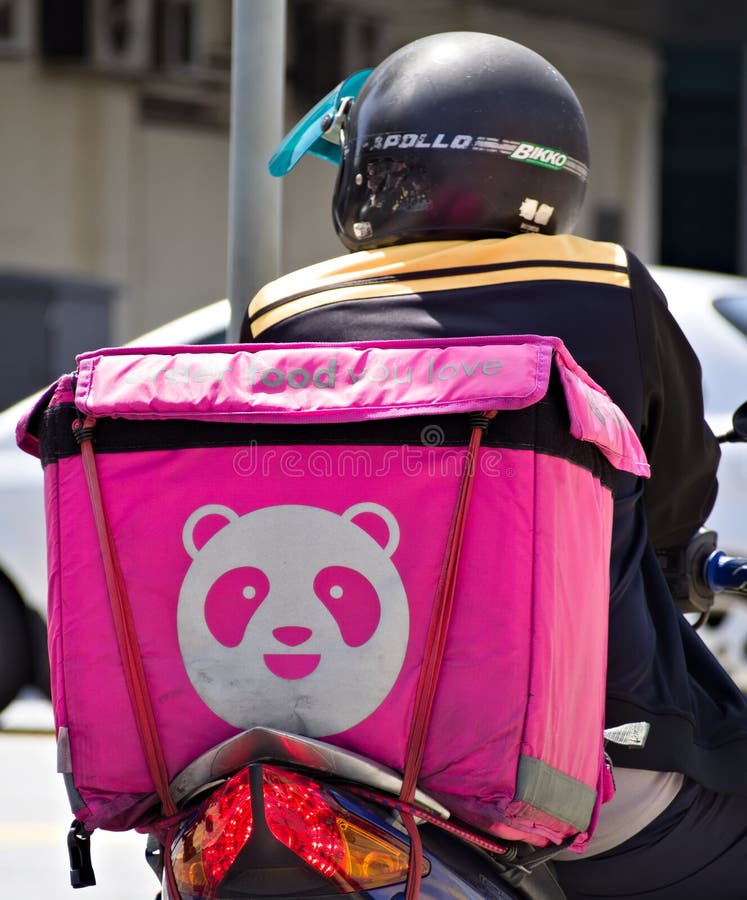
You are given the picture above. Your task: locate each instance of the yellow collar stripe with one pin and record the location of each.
(437, 266)
(391, 290)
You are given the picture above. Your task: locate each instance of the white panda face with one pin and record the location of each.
(293, 617)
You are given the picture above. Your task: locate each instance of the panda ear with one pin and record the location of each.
(382, 513)
(212, 510)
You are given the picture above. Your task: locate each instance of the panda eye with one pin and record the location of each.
(232, 601)
(352, 600)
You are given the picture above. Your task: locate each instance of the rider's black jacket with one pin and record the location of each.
(603, 303)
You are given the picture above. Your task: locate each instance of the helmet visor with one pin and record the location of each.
(318, 131)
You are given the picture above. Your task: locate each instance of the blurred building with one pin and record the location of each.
(115, 134)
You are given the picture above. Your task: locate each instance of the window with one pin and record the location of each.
(175, 34)
(700, 158)
(326, 43)
(734, 310)
(15, 27)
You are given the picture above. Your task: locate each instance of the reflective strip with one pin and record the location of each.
(65, 767)
(64, 758)
(634, 734)
(551, 791)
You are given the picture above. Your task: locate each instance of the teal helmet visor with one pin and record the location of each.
(318, 132)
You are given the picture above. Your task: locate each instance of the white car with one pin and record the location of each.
(23, 578)
(712, 311)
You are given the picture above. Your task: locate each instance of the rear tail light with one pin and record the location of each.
(295, 812)
(352, 852)
(207, 849)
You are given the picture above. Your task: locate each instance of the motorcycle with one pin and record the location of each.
(274, 814)
(270, 814)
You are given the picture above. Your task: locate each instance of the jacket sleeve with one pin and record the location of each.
(681, 448)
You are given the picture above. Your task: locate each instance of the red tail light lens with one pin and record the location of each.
(351, 852)
(302, 816)
(207, 849)
(298, 817)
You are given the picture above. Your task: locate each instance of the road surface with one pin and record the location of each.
(35, 816)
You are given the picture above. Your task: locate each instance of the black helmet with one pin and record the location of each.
(460, 135)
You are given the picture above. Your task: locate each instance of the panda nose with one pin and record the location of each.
(292, 635)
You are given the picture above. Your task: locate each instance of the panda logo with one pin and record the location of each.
(292, 616)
